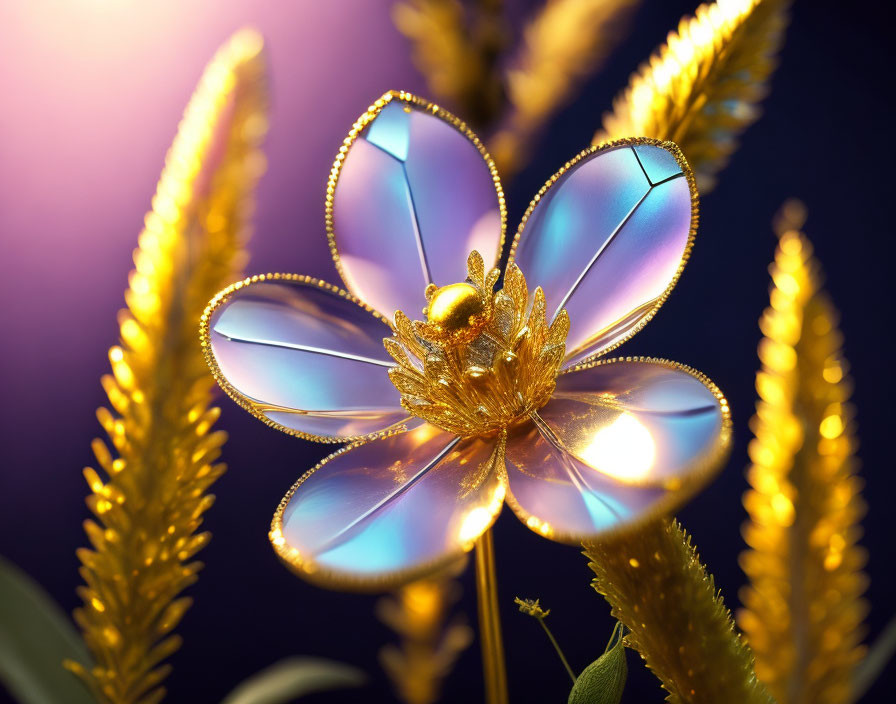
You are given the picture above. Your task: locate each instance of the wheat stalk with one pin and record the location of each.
(702, 88)
(803, 608)
(149, 507)
(658, 588)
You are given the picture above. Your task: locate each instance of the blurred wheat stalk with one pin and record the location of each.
(702, 88)
(564, 44)
(430, 642)
(460, 50)
(457, 50)
(803, 610)
(150, 505)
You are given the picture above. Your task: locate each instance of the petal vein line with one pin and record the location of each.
(335, 539)
(312, 350)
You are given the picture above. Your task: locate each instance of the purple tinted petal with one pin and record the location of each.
(412, 197)
(606, 242)
(666, 421)
(390, 509)
(376, 233)
(306, 358)
(632, 274)
(562, 498)
(618, 443)
(575, 217)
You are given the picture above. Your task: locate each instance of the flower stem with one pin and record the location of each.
(492, 644)
(572, 675)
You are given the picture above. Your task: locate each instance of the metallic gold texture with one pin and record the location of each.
(494, 667)
(480, 384)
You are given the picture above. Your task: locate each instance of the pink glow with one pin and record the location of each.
(92, 94)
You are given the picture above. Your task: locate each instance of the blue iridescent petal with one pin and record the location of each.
(306, 358)
(391, 131)
(618, 443)
(412, 198)
(391, 508)
(658, 164)
(606, 241)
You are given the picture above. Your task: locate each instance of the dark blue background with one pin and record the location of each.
(825, 138)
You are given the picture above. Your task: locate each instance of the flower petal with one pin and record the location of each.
(620, 442)
(607, 238)
(411, 194)
(390, 510)
(303, 356)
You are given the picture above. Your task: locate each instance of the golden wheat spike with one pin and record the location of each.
(564, 44)
(457, 50)
(803, 610)
(430, 643)
(149, 507)
(701, 89)
(656, 586)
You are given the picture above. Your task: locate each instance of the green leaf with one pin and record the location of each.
(35, 637)
(603, 680)
(294, 677)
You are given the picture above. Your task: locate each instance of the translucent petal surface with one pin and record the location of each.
(413, 197)
(389, 509)
(306, 358)
(607, 240)
(617, 443)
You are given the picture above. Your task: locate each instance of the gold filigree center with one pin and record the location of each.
(482, 359)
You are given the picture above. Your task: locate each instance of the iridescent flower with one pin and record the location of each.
(497, 395)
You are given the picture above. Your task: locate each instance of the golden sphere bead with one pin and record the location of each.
(455, 307)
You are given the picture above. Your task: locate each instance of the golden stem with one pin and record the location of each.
(492, 644)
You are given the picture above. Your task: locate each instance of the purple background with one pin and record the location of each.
(92, 92)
